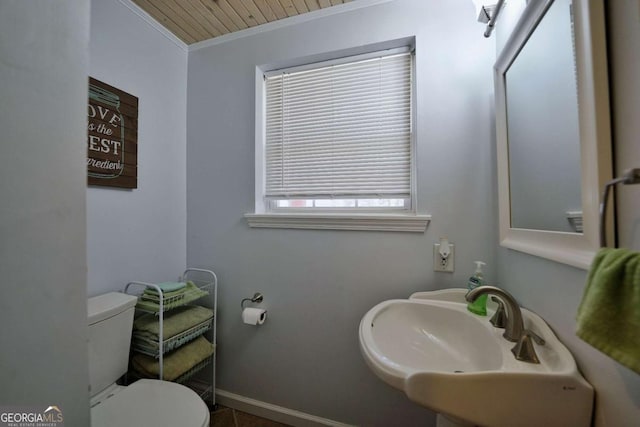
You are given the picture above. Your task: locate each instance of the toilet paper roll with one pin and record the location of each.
(254, 316)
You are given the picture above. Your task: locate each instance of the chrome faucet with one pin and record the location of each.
(514, 327)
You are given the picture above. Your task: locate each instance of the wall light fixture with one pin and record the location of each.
(487, 12)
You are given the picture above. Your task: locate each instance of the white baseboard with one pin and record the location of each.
(273, 412)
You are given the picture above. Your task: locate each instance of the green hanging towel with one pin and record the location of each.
(609, 314)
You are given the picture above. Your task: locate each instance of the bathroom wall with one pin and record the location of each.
(43, 309)
(318, 284)
(554, 290)
(140, 234)
(624, 45)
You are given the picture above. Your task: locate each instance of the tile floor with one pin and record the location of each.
(228, 417)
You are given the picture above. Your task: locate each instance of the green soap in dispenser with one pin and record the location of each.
(479, 306)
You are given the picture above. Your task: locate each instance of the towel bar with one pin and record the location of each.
(630, 176)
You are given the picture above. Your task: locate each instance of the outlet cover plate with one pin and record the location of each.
(448, 264)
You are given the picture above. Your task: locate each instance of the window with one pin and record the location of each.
(338, 136)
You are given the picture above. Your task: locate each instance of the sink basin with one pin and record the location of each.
(456, 363)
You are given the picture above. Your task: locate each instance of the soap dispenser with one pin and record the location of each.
(479, 306)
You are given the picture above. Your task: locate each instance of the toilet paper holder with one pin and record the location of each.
(257, 297)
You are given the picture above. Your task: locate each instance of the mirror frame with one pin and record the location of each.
(595, 135)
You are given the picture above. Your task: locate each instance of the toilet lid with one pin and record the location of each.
(151, 403)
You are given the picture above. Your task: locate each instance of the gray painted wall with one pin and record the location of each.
(140, 234)
(624, 45)
(318, 284)
(554, 290)
(43, 309)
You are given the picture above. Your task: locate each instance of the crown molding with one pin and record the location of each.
(154, 24)
(285, 22)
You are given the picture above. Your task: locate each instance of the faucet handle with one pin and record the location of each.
(524, 350)
(537, 338)
(499, 319)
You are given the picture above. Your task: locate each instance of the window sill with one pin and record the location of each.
(323, 221)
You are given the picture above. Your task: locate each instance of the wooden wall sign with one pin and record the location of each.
(112, 143)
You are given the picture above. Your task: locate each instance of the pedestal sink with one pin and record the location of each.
(456, 363)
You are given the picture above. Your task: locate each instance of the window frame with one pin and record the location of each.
(380, 219)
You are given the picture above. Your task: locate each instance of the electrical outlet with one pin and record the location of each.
(441, 263)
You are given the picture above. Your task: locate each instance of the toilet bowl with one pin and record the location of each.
(145, 403)
(151, 403)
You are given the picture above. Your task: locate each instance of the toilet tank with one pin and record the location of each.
(110, 322)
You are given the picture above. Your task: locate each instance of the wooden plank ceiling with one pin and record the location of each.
(196, 20)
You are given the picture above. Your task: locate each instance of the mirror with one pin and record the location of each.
(553, 132)
(543, 131)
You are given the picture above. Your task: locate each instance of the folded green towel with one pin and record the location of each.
(189, 293)
(609, 314)
(152, 293)
(176, 363)
(175, 322)
(149, 345)
(168, 287)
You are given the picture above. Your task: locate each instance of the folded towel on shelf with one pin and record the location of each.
(167, 287)
(176, 363)
(152, 294)
(609, 314)
(151, 347)
(150, 300)
(175, 322)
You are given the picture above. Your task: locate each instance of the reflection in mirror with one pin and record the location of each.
(543, 128)
(553, 156)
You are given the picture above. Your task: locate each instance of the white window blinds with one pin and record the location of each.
(342, 130)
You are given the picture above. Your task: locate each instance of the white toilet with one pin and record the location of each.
(151, 403)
